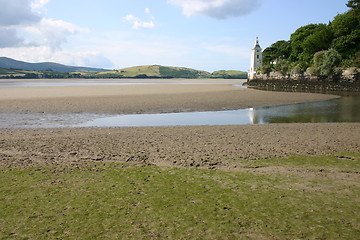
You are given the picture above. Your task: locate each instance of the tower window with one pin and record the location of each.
(257, 56)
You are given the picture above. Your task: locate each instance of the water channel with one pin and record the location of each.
(344, 109)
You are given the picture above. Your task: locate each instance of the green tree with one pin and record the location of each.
(346, 28)
(283, 66)
(331, 60)
(344, 24)
(297, 39)
(354, 4)
(347, 45)
(319, 40)
(317, 63)
(279, 50)
(308, 40)
(265, 69)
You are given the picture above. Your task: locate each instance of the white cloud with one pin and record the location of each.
(18, 16)
(138, 24)
(54, 32)
(219, 9)
(39, 3)
(26, 35)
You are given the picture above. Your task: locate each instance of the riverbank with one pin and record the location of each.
(174, 96)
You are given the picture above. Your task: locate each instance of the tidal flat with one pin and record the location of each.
(272, 181)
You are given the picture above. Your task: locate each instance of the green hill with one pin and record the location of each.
(157, 71)
(154, 71)
(230, 74)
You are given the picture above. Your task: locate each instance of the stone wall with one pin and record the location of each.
(348, 81)
(305, 85)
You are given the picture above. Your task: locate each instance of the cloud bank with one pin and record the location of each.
(26, 35)
(21, 16)
(219, 9)
(17, 12)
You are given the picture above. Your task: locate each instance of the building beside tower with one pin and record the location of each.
(256, 59)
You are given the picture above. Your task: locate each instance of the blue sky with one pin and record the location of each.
(202, 34)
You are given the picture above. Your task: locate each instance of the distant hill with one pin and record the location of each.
(9, 63)
(230, 74)
(157, 71)
(10, 68)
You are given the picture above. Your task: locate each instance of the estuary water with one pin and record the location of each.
(345, 109)
(339, 110)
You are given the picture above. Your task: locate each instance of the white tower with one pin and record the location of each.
(256, 59)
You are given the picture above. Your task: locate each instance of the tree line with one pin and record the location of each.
(318, 49)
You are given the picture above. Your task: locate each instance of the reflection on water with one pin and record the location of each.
(339, 110)
(345, 109)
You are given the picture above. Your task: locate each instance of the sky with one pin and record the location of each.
(206, 35)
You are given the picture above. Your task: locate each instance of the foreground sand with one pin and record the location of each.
(219, 147)
(145, 98)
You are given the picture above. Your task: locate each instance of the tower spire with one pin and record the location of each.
(256, 59)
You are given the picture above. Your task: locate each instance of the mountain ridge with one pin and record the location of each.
(9, 63)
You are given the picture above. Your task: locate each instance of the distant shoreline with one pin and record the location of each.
(129, 99)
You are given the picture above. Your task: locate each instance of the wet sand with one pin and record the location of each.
(145, 98)
(212, 147)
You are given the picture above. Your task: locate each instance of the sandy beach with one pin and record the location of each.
(200, 95)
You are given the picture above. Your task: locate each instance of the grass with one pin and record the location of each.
(14, 72)
(119, 201)
(341, 161)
